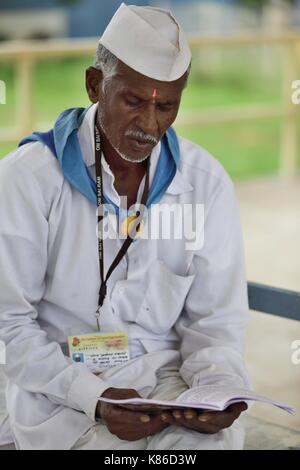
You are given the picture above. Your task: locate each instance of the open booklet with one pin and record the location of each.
(206, 397)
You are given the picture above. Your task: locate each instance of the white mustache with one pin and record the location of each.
(139, 135)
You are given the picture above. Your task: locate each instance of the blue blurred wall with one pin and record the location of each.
(86, 17)
(90, 17)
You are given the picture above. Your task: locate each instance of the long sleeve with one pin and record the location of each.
(34, 363)
(212, 325)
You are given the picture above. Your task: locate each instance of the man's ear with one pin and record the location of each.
(93, 82)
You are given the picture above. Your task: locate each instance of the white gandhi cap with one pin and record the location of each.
(149, 40)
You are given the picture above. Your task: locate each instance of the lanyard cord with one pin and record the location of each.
(100, 212)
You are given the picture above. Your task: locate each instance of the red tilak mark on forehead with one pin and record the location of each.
(154, 93)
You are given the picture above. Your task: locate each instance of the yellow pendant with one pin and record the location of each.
(128, 225)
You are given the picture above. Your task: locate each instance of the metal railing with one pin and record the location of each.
(273, 300)
(24, 54)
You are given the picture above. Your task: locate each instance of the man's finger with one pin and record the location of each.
(190, 423)
(165, 417)
(136, 431)
(133, 420)
(190, 414)
(177, 414)
(219, 419)
(223, 419)
(120, 415)
(237, 407)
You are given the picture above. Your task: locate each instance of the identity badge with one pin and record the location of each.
(98, 351)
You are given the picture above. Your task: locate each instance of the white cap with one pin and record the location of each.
(149, 40)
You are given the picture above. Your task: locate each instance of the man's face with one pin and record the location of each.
(134, 111)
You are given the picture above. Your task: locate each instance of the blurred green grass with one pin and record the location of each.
(245, 149)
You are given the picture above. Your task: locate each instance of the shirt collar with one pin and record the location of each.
(86, 136)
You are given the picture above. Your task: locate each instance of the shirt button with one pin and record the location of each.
(121, 290)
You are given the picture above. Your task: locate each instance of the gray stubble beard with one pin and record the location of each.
(127, 158)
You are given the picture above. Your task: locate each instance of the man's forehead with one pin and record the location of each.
(136, 82)
(128, 75)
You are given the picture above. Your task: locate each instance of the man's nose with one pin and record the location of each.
(147, 120)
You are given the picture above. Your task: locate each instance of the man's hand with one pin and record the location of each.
(126, 424)
(209, 422)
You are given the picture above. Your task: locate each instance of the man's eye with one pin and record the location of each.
(165, 107)
(133, 101)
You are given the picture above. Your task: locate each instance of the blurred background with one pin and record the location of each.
(246, 54)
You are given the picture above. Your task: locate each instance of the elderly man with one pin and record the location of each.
(163, 313)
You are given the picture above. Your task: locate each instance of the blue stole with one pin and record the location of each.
(63, 142)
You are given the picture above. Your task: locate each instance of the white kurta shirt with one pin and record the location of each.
(179, 306)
